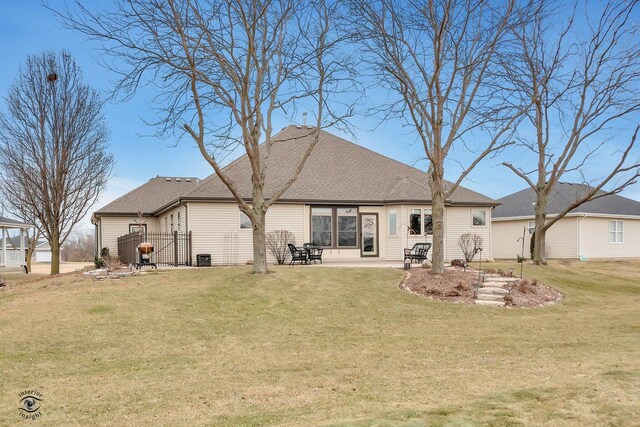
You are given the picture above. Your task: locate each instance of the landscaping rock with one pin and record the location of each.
(490, 297)
(492, 290)
(493, 303)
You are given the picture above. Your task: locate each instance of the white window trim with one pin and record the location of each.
(486, 218)
(423, 211)
(395, 231)
(615, 232)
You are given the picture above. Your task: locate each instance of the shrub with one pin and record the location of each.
(104, 252)
(565, 262)
(458, 263)
(532, 244)
(470, 244)
(111, 262)
(277, 242)
(98, 262)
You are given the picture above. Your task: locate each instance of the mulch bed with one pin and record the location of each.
(457, 286)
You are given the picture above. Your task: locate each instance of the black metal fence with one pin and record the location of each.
(169, 249)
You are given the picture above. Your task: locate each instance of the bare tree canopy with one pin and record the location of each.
(578, 65)
(224, 71)
(437, 57)
(53, 148)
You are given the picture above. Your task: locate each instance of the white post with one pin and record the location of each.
(23, 256)
(4, 246)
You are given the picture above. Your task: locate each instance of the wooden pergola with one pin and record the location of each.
(15, 257)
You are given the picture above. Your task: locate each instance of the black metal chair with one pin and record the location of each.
(418, 253)
(300, 255)
(314, 252)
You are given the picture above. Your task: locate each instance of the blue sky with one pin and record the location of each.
(27, 28)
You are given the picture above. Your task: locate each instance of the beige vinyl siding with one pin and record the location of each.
(113, 227)
(216, 230)
(594, 238)
(561, 239)
(459, 221)
(165, 220)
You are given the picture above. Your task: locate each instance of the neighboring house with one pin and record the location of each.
(10, 256)
(355, 203)
(607, 227)
(42, 252)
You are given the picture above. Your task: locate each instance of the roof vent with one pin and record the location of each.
(167, 179)
(309, 127)
(188, 179)
(299, 126)
(178, 179)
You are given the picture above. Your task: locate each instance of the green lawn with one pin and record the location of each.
(308, 346)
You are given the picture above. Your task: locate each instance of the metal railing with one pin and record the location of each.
(169, 249)
(15, 257)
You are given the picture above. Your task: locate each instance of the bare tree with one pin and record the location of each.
(278, 244)
(437, 56)
(582, 82)
(53, 139)
(79, 247)
(225, 71)
(470, 244)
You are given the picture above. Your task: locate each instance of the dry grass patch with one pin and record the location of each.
(308, 346)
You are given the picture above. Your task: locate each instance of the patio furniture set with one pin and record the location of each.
(309, 252)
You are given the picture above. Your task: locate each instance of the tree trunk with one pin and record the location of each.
(259, 244)
(437, 215)
(29, 258)
(541, 231)
(55, 255)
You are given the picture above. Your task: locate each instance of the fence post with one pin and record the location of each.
(190, 243)
(175, 248)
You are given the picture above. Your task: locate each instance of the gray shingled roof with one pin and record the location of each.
(521, 203)
(10, 222)
(337, 171)
(151, 196)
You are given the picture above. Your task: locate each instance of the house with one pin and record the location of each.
(355, 203)
(42, 252)
(607, 227)
(10, 256)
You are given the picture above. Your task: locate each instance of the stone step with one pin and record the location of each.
(492, 290)
(492, 303)
(494, 284)
(490, 297)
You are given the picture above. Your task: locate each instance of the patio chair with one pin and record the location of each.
(314, 252)
(418, 253)
(299, 255)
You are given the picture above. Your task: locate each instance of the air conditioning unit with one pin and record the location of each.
(203, 260)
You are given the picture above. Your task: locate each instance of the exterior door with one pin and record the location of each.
(369, 234)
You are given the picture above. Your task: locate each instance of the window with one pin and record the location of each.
(347, 227)
(615, 232)
(428, 222)
(415, 227)
(532, 227)
(393, 222)
(479, 218)
(172, 223)
(179, 221)
(416, 224)
(135, 228)
(245, 222)
(166, 224)
(321, 226)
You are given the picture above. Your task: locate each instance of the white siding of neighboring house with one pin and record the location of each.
(594, 238)
(216, 230)
(561, 239)
(113, 227)
(458, 221)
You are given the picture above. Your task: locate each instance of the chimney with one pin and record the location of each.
(304, 118)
